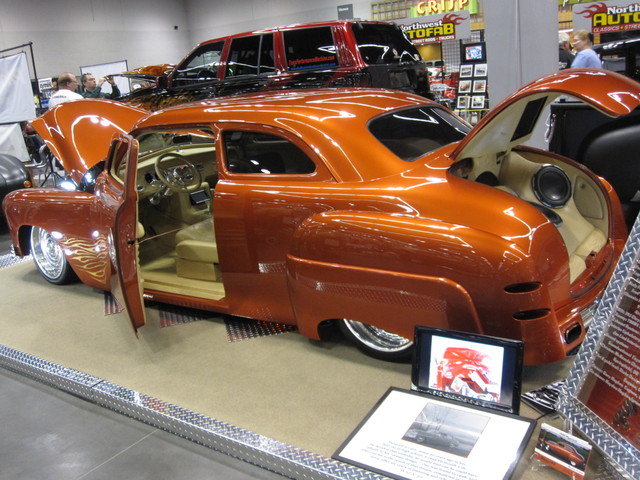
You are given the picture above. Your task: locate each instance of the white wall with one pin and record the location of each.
(208, 19)
(522, 43)
(71, 33)
(522, 46)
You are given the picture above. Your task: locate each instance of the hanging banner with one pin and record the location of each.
(433, 7)
(437, 28)
(607, 17)
(16, 94)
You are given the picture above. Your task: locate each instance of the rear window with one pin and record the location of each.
(310, 48)
(382, 43)
(414, 132)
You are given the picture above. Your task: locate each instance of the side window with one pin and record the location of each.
(251, 56)
(203, 65)
(261, 153)
(118, 159)
(310, 48)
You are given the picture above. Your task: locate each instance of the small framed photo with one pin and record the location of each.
(480, 86)
(464, 86)
(480, 70)
(466, 71)
(564, 452)
(463, 102)
(477, 102)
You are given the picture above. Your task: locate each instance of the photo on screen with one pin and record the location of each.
(478, 369)
(474, 52)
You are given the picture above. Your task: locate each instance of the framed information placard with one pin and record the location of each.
(409, 435)
(602, 392)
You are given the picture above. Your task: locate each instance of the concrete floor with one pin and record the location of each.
(49, 434)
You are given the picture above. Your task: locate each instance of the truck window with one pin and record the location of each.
(251, 55)
(381, 43)
(201, 66)
(310, 48)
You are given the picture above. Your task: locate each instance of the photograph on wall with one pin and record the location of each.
(480, 70)
(464, 86)
(562, 451)
(479, 86)
(466, 71)
(477, 102)
(413, 435)
(463, 102)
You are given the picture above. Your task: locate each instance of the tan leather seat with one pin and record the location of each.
(197, 252)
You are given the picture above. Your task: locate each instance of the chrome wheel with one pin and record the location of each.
(49, 257)
(377, 342)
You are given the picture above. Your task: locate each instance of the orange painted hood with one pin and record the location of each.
(510, 123)
(79, 133)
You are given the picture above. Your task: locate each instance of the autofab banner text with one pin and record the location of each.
(437, 28)
(16, 95)
(606, 17)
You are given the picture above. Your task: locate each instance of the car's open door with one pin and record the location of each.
(125, 281)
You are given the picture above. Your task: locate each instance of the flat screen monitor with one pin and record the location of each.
(474, 52)
(471, 368)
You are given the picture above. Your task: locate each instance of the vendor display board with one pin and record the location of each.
(602, 396)
(472, 101)
(409, 435)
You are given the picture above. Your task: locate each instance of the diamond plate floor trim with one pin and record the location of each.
(251, 447)
(10, 259)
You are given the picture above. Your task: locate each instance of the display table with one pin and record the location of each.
(282, 391)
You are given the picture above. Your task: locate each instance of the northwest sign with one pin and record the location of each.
(437, 28)
(606, 17)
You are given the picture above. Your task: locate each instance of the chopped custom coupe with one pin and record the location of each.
(376, 209)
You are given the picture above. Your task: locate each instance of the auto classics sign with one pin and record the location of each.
(437, 28)
(605, 17)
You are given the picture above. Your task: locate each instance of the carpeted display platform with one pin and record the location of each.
(306, 394)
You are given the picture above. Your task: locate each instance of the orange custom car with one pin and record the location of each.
(565, 452)
(379, 210)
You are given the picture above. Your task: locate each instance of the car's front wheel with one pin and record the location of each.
(377, 342)
(49, 258)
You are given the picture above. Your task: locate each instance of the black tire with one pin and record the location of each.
(376, 342)
(49, 258)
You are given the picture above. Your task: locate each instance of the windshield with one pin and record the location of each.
(384, 43)
(414, 132)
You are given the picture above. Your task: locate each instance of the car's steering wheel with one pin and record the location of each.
(177, 173)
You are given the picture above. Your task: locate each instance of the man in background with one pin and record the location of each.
(565, 56)
(93, 90)
(67, 85)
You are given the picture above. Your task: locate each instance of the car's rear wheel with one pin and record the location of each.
(377, 342)
(49, 258)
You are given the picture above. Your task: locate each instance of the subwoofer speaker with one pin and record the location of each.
(552, 186)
